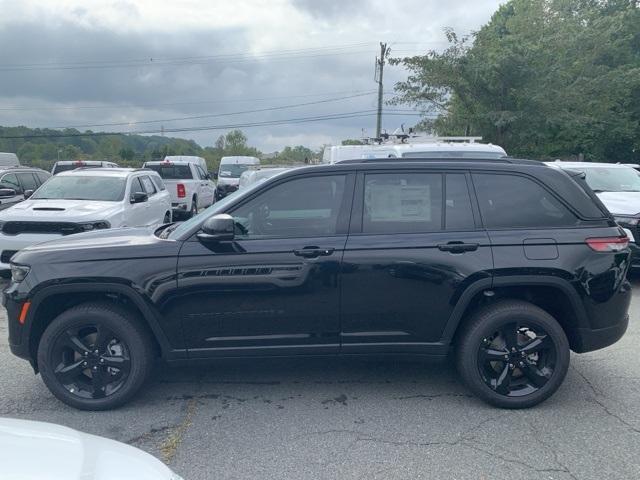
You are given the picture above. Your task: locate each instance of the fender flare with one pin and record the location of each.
(148, 314)
(513, 281)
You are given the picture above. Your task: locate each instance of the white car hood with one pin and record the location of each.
(621, 203)
(60, 210)
(43, 451)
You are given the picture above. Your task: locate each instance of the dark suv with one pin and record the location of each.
(508, 264)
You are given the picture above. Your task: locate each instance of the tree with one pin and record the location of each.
(127, 154)
(544, 78)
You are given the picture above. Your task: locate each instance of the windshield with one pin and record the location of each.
(614, 179)
(453, 154)
(232, 170)
(171, 172)
(103, 189)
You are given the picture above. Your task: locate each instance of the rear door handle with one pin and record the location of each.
(313, 252)
(458, 247)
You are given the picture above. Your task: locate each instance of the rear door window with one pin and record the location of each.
(28, 181)
(513, 201)
(402, 203)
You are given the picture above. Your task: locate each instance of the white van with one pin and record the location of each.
(201, 162)
(229, 173)
(9, 160)
(436, 148)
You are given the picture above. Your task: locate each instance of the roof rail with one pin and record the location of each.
(518, 161)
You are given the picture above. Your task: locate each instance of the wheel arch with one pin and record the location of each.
(554, 295)
(48, 303)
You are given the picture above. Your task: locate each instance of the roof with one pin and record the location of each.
(104, 172)
(20, 167)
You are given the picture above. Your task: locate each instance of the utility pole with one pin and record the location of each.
(378, 78)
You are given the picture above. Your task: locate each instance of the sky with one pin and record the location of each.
(149, 65)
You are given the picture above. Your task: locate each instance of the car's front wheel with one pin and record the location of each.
(513, 354)
(95, 356)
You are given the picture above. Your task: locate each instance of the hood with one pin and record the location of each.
(36, 450)
(60, 210)
(621, 203)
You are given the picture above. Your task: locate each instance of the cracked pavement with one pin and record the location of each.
(356, 418)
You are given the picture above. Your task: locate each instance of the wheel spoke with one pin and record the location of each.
(510, 334)
(534, 374)
(98, 382)
(503, 382)
(541, 342)
(74, 342)
(67, 373)
(492, 355)
(103, 337)
(121, 363)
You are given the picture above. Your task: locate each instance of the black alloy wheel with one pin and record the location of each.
(95, 356)
(517, 360)
(512, 354)
(90, 361)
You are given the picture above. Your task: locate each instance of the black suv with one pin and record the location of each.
(508, 264)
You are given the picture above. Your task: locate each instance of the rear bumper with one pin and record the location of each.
(588, 340)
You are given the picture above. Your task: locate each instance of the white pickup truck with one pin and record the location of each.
(188, 183)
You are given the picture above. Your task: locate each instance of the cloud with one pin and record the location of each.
(136, 61)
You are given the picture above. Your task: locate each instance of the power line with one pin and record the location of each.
(174, 104)
(213, 115)
(289, 121)
(226, 58)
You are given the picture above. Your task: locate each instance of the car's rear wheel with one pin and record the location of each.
(194, 207)
(513, 354)
(95, 356)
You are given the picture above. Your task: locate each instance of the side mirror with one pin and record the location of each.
(218, 228)
(7, 192)
(27, 194)
(139, 197)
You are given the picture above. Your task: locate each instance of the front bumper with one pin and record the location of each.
(14, 243)
(18, 344)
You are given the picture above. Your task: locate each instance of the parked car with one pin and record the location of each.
(257, 175)
(9, 160)
(190, 185)
(201, 162)
(66, 165)
(38, 451)
(229, 173)
(84, 200)
(618, 187)
(508, 264)
(16, 183)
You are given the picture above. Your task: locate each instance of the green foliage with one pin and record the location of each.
(295, 155)
(350, 141)
(544, 78)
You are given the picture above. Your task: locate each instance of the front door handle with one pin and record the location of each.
(458, 247)
(313, 252)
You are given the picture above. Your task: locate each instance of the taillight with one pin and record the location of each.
(182, 192)
(608, 244)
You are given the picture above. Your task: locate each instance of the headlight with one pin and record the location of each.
(88, 226)
(630, 221)
(19, 272)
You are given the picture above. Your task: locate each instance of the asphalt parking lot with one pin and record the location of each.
(354, 418)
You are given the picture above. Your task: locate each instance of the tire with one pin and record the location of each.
(123, 343)
(194, 208)
(509, 376)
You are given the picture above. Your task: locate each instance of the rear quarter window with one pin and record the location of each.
(513, 201)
